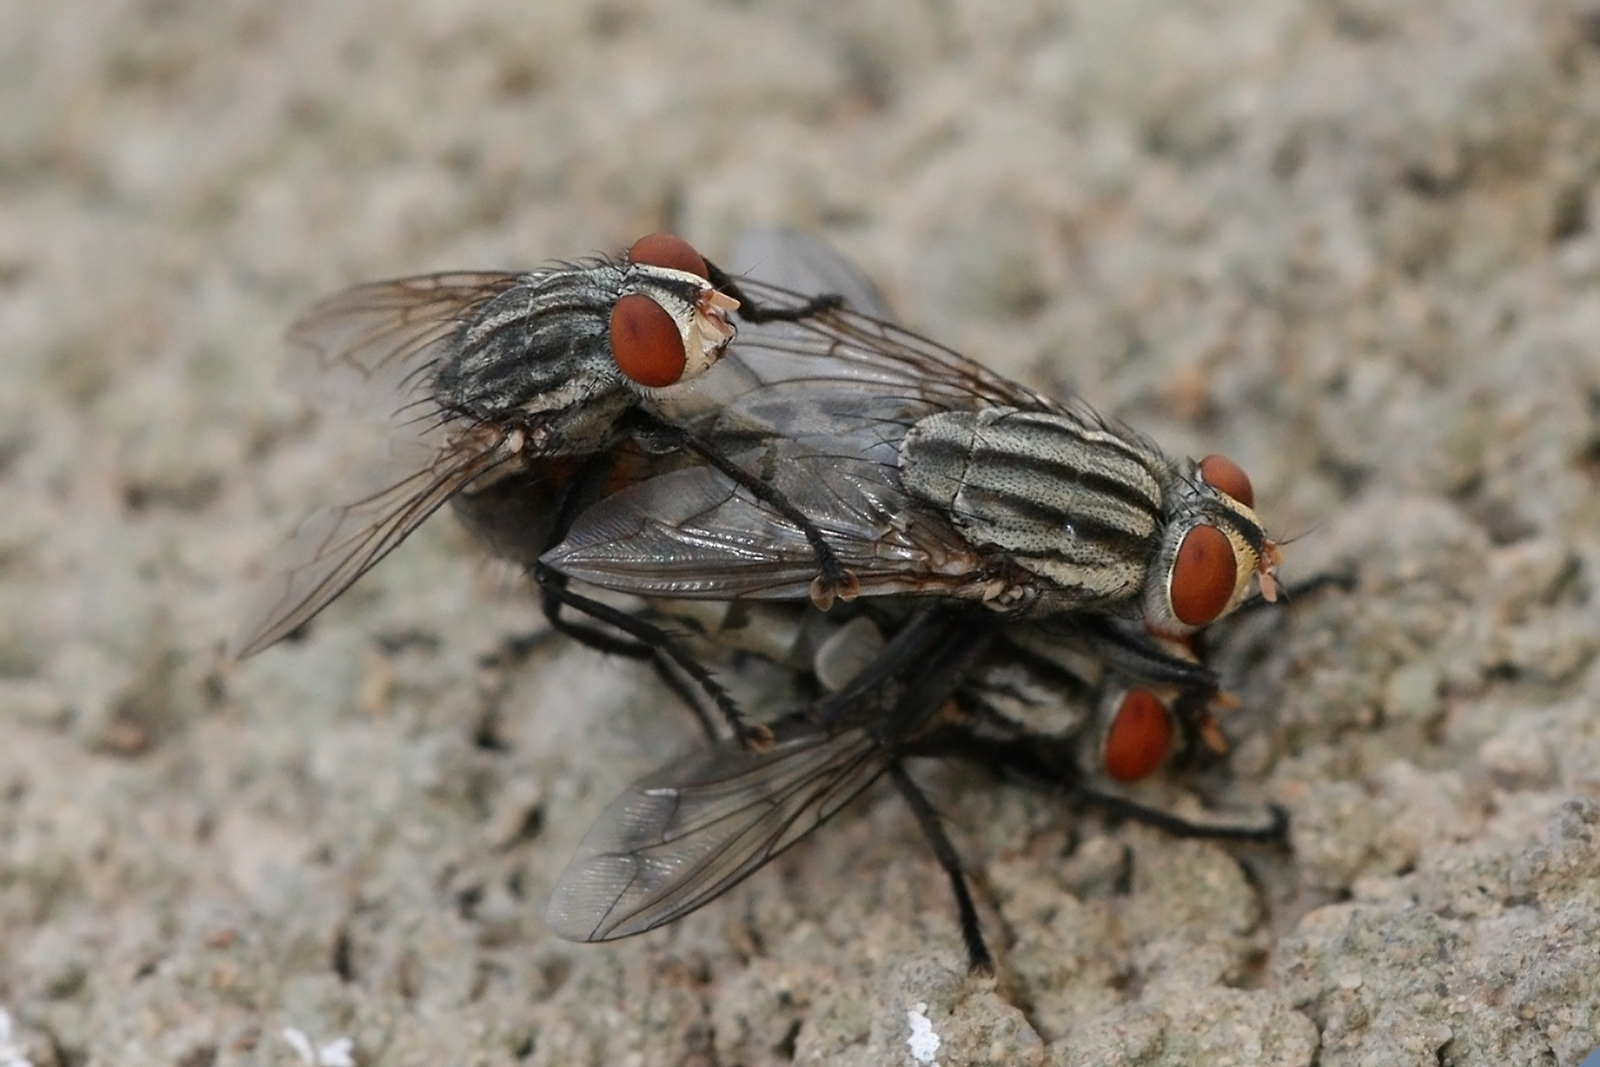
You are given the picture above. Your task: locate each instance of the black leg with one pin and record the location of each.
(641, 640)
(1133, 653)
(1034, 761)
(554, 594)
(514, 650)
(753, 311)
(832, 580)
(978, 959)
(1276, 830)
(649, 642)
(689, 694)
(610, 644)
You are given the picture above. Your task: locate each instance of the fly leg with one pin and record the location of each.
(979, 961)
(514, 650)
(642, 640)
(1041, 762)
(646, 641)
(938, 648)
(692, 696)
(1275, 830)
(752, 311)
(1137, 655)
(833, 579)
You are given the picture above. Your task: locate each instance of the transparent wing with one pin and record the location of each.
(338, 545)
(692, 533)
(840, 355)
(687, 833)
(369, 350)
(803, 264)
(690, 832)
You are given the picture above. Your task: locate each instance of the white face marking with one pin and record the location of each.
(703, 323)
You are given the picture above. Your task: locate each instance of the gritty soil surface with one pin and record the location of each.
(1354, 244)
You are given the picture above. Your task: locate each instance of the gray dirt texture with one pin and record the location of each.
(1353, 244)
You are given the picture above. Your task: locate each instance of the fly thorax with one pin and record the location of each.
(1212, 547)
(538, 348)
(1062, 497)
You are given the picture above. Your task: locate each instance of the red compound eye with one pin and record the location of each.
(1226, 476)
(667, 250)
(645, 342)
(1139, 738)
(1203, 576)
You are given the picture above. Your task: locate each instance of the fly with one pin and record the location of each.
(1045, 681)
(941, 686)
(518, 397)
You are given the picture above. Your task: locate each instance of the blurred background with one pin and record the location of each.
(1351, 244)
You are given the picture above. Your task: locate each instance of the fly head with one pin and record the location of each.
(1212, 548)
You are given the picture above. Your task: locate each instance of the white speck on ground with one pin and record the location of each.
(11, 1054)
(335, 1053)
(923, 1042)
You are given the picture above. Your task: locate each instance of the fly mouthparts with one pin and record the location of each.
(716, 302)
(1266, 571)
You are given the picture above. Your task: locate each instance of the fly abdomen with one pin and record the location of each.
(1072, 502)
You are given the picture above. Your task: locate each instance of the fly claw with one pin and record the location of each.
(823, 592)
(758, 739)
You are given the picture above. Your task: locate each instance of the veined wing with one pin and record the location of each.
(688, 833)
(369, 350)
(337, 545)
(788, 259)
(840, 355)
(693, 533)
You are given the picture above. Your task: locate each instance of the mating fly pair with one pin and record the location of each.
(979, 521)
(827, 453)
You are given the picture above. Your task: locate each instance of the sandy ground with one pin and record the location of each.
(1352, 243)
